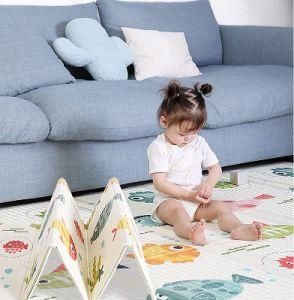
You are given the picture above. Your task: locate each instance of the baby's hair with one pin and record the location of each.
(182, 104)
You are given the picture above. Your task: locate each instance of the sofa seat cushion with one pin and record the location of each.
(21, 122)
(126, 109)
(108, 110)
(245, 93)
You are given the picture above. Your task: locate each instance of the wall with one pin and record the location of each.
(254, 12)
(251, 12)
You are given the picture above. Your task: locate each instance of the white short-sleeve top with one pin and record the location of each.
(183, 165)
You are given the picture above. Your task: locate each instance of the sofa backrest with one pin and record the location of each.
(194, 18)
(49, 20)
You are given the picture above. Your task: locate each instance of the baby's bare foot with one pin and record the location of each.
(196, 233)
(247, 232)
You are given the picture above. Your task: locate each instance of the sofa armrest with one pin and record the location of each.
(256, 45)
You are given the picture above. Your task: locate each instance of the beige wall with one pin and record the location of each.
(254, 12)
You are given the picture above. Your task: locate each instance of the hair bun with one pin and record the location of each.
(173, 89)
(204, 88)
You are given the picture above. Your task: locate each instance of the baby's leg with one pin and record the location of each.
(228, 222)
(172, 212)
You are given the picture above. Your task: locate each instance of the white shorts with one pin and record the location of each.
(189, 206)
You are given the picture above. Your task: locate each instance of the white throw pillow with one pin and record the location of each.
(162, 54)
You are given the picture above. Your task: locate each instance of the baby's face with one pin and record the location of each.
(180, 135)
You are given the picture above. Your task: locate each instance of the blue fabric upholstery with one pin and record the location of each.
(194, 18)
(21, 122)
(49, 20)
(88, 165)
(28, 62)
(257, 45)
(245, 93)
(120, 110)
(99, 110)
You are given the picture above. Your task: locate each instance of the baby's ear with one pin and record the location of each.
(163, 122)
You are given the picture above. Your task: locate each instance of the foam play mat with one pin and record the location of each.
(222, 269)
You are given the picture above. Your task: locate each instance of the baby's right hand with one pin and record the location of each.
(194, 196)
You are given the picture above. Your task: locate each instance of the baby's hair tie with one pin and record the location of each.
(197, 87)
(203, 88)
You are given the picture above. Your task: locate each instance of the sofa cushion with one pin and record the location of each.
(28, 62)
(246, 93)
(121, 110)
(158, 53)
(21, 122)
(194, 18)
(49, 20)
(88, 45)
(99, 110)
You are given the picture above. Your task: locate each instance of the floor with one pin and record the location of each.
(222, 269)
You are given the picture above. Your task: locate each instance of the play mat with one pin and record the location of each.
(220, 270)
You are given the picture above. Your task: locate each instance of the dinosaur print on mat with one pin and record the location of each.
(57, 279)
(79, 232)
(13, 248)
(225, 185)
(146, 220)
(277, 231)
(286, 262)
(285, 172)
(102, 221)
(281, 261)
(250, 203)
(122, 225)
(146, 196)
(66, 238)
(207, 289)
(97, 272)
(175, 253)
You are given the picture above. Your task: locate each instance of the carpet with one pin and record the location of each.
(222, 269)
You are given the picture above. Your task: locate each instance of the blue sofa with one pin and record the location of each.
(87, 131)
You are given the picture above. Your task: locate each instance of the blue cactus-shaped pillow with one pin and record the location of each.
(88, 45)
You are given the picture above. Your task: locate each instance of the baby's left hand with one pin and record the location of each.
(205, 190)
